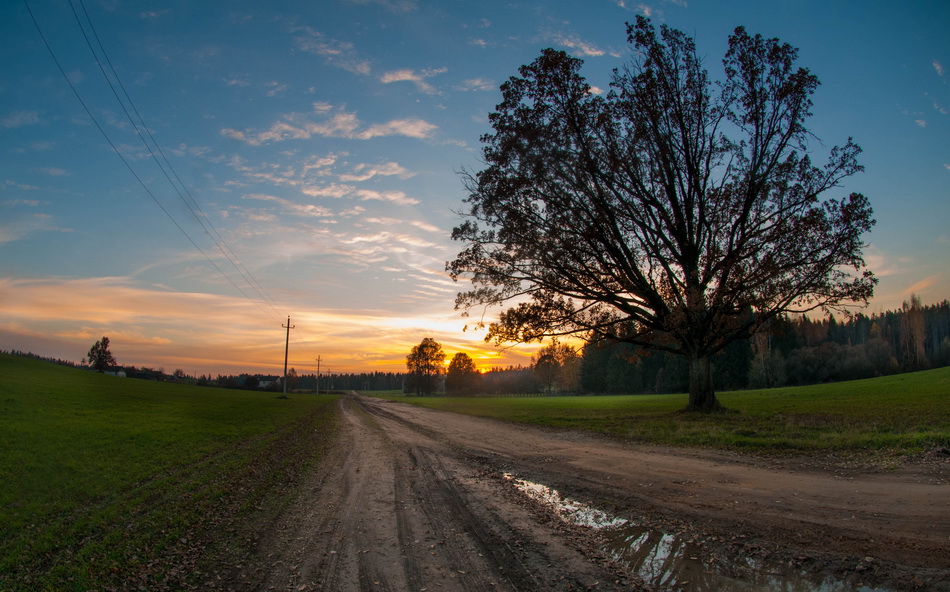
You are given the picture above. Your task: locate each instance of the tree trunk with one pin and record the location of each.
(702, 396)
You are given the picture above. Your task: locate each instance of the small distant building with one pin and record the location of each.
(115, 371)
(266, 382)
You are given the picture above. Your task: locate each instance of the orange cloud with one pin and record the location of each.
(211, 334)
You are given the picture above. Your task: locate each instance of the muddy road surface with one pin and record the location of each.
(410, 499)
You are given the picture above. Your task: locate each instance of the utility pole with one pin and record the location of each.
(318, 375)
(288, 326)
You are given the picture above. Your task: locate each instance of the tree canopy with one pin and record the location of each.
(674, 212)
(99, 355)
(462, 377)
(557, 367)
(425, 366)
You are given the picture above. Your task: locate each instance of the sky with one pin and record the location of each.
(213, 168)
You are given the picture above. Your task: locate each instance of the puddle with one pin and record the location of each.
(668, 562)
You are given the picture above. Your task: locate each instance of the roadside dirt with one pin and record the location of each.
(414, 499)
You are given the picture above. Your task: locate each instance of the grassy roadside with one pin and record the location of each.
(894, 415)
(119, 483)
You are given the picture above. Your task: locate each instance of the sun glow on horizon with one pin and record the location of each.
(214, 334)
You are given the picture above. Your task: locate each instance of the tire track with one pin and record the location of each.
(391, 509)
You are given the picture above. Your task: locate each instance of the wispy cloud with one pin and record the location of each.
(482, 84)
(396, 223)
(577, 45)
(22, 227)
(923, 285)
(396, 197)
(332, 122)
(418, 78)
(426, 226)
(52, 171)
(339, 54)
(334, 190)
(19, 119)
(298, 209)
(653, 12)
(391, 5)
(365, 172)
(938, 67)
(412, 128)
(884, 264)
(154, 15)
(274, 89)
(316, 176)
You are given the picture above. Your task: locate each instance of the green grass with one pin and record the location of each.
(894, 415)
(103, 475)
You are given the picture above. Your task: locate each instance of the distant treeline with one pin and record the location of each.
(793, 351)
(23, 354)
(333, 382)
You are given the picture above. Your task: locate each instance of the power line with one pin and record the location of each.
(191, 203)
(132, 170)
(112, 144)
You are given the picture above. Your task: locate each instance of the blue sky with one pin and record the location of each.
(311, 152)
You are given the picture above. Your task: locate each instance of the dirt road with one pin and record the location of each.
(415, 499)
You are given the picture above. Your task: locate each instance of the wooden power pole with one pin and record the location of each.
(318, 375)
(288, 326)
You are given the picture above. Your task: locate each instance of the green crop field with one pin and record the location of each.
(894, 415)
(106, 479)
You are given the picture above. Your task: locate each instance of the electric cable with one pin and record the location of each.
(194, 208)
(126, 162)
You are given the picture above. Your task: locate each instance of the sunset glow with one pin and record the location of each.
(242, 165)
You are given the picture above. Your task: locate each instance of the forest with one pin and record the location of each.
(792, 351)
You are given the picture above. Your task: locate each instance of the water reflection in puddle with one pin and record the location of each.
(668, 562)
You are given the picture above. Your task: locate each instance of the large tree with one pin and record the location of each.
(99, 355)
(425, 365)
(674, 212)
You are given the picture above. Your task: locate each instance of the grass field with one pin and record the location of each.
(107, 481)
(900, 414)
(104, 478)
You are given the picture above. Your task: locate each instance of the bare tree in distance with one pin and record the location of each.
(673, 213)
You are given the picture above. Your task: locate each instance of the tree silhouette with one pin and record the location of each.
(556, 366)
(425, 366)
(462, 377)
(99, 355)
(673, 213)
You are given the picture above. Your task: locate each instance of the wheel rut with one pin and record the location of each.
(392, 509)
